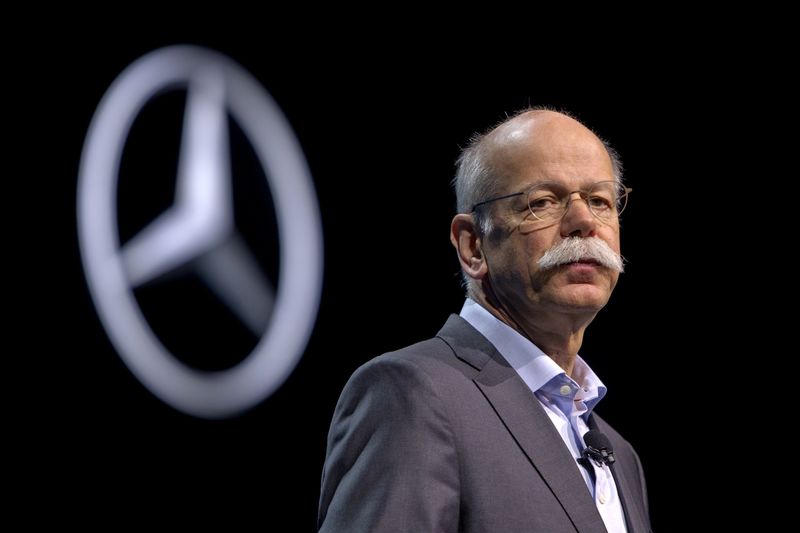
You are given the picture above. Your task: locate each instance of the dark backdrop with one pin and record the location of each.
(380, 122)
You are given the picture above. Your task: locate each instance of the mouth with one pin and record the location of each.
(583, 270)
(588, 262)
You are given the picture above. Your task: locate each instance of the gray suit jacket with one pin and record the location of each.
(444, 436)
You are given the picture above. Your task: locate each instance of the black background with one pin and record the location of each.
(380, 120)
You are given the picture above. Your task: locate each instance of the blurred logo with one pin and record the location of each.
(198, 230)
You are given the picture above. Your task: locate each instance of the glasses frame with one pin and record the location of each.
(584, 194)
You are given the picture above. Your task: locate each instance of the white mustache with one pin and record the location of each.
(574, 249)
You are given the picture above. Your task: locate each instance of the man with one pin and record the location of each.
(482, 427)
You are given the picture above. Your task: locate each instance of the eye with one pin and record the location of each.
(599, 202)
(542, 202)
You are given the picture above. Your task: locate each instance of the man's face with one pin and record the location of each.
(570, 158)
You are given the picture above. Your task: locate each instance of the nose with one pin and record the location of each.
(578, 219)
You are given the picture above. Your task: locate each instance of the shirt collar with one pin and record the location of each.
(539, 372)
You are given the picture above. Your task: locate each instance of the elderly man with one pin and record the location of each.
(488, 427)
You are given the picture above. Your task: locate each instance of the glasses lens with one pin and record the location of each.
(545, 204)
(602, 199)
(606, 199)
(621, 194)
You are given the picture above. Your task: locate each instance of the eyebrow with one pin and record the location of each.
(544, 183)
(558, 185)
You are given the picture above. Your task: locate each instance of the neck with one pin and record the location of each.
(559, 335)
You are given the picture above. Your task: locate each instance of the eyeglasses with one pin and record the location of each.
(606, 200)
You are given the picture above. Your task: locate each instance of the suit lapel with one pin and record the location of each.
(634, 518)
(634, 514)
(534, 432)
(527, 422)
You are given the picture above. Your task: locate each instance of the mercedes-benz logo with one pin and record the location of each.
(199, 229)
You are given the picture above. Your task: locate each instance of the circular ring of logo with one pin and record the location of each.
(204, 394)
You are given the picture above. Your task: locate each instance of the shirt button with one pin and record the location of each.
(564, 390)
(602, 498)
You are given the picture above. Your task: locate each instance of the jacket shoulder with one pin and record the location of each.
(435, 358)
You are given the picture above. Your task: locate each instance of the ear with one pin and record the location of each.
(464, 237)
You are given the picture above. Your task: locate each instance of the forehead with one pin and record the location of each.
(566, 186)
(561, 153)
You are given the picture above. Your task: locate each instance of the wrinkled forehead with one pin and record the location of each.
(588, 185)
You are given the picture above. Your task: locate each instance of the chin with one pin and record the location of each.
(587, 298)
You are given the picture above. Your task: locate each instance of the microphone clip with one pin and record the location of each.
(600, 457)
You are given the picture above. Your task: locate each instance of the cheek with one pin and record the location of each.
(538, 245)
(611, 236)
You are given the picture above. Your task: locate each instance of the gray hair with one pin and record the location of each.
(476, 180)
